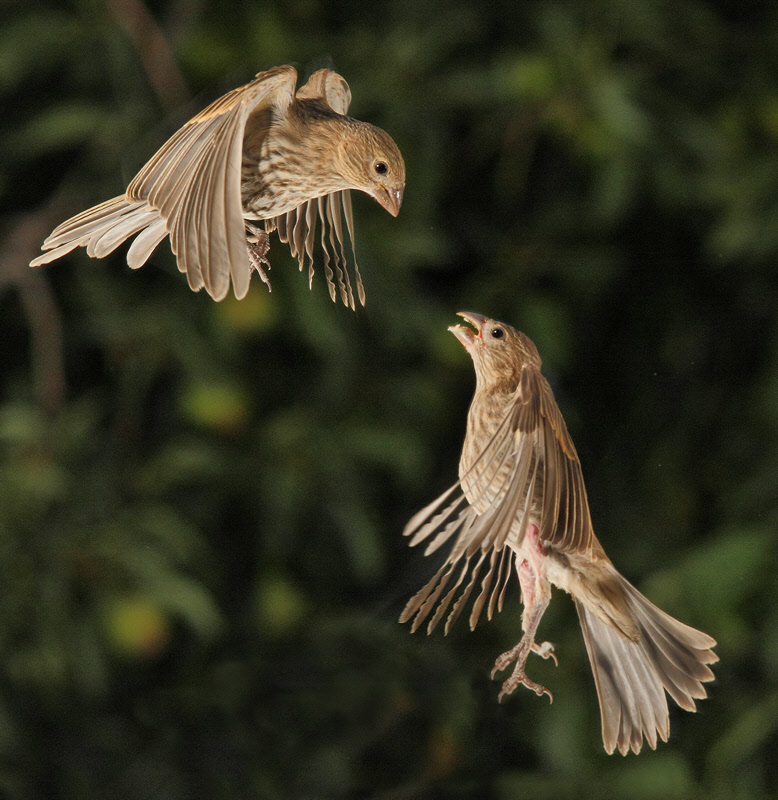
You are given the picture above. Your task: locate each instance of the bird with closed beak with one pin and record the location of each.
(261, 153)
(520, 503)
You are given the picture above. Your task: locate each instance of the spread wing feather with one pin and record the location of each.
(189, 189)
(194, 183)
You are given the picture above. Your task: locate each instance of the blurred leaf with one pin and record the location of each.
(280, 605)
(52, 32)
(741, 740)
(185, 598)
(219, 405)
(663, 776)
(61, 126)
(721, 575)
(136, 626)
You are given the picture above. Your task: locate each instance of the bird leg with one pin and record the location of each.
(258, 245)
(535, 594)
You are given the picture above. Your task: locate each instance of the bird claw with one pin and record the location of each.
(519, 677)
(519, 654)
(503, 662)
(545, 650)
(258, 243)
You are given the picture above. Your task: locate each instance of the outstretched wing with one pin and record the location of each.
(194, 179)
(528, 471)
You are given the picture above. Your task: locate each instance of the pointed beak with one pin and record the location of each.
(466, 335)
(390, 199)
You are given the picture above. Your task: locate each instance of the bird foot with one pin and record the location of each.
(519, 677)
(544, 650)
(519, 654)
(258, 245)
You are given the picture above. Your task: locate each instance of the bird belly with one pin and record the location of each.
(596, 584)
(280, 179)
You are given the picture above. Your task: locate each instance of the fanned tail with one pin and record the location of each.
(103, 228)
(633, 677)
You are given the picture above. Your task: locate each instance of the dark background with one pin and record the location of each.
(201, 504)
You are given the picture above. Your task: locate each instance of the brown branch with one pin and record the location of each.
(21, 246)
(153, 49)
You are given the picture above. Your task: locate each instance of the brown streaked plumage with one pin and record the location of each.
(262, 152)
(520, 501)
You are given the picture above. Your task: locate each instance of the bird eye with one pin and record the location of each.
(380, 167)
(497, 333)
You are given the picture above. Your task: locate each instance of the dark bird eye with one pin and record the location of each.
(498, 333)
(380, 167)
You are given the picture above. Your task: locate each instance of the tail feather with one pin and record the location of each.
(101, 230)
(632, 677)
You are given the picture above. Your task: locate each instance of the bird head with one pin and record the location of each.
(499, 352)
(371, 162)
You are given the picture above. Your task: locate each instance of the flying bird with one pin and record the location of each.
(263, 153)
(520, 502)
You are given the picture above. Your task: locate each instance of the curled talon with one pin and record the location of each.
(520, 678)
(258, 245)
(546, 651)
(502, 663)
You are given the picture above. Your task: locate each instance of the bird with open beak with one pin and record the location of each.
(262, 153)
(520, 502)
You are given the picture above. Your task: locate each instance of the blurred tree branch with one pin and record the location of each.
(153, 50)
(22, 245)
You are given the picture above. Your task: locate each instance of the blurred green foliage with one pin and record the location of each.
(201, 505)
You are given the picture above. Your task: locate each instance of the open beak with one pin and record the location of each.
(465, 335)
(390, 199)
